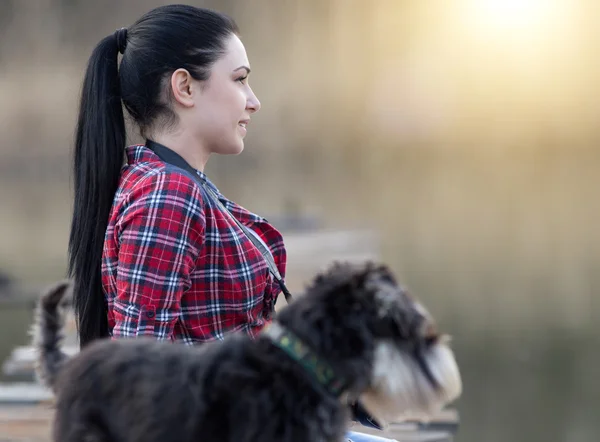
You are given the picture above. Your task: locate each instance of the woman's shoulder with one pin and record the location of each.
(154, 185)
(156, 201)
(148, 174)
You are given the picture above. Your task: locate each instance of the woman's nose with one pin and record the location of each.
(252, 104)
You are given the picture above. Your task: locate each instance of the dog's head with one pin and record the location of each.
(360, 314)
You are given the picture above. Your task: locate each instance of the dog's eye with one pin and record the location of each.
(393, 326)
(407, 323)
(387, 328)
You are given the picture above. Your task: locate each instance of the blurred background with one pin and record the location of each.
(461, 135)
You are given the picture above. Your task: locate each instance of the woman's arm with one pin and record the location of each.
(274, 240)
(161, 232)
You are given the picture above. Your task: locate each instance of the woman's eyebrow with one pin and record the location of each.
(243, 67)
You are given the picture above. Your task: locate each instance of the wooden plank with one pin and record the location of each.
(23, 393)
(25, 424)
(440, 428)
(29, 423)
(22, 358)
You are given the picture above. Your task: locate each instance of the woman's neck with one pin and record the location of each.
(184, 145)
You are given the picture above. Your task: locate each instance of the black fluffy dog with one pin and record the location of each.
(354, 334)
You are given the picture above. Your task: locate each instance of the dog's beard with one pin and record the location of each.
(401, 390)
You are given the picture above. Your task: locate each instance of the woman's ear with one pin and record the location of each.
(182, 88)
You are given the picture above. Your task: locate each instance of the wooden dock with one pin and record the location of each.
(31, 423)
(25, 423)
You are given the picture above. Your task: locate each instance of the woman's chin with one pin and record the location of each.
(234, 148)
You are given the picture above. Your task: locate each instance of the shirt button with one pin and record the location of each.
(150, 314)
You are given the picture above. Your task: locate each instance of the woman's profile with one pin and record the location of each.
(154, 251)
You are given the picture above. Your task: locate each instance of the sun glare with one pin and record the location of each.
(514, 15)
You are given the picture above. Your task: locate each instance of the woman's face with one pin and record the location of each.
(224, 103)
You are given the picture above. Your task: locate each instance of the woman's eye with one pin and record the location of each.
(242, 79)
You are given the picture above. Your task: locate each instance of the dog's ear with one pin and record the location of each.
(394, 306)
(398, 311)
(387, 294)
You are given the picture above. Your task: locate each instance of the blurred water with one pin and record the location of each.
(536, 389)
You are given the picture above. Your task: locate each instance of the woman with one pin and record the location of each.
(151, 252)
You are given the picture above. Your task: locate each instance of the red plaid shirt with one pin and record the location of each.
(175, 266)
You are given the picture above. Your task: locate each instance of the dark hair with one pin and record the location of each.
(163, 40)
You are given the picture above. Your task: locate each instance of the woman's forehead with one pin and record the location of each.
(235, 54)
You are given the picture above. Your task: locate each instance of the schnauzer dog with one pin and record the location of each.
(354, 334)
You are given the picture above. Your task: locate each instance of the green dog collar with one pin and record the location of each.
(321, 371)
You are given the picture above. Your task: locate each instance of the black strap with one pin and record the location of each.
(173, 158)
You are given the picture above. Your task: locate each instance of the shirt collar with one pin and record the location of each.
(138, 153)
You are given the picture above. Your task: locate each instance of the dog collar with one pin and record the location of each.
(291, 344)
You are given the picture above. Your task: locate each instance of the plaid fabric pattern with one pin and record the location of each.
(175, 267)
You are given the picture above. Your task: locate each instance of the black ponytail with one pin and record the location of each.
(98, 158)
(163, 40)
